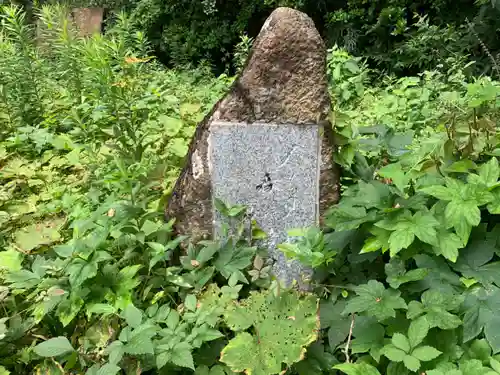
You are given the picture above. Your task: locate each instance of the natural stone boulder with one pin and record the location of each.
(284, 84)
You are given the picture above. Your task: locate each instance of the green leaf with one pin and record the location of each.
(54, 347)
(357, 369)
(286, 325)
(495, 365)
(418, 331)
(463, 215)
(424, 228)
(448, 244)
(393, 353)
(133, 316)
(139, 343)
(375, 300)
(396, 174)
(172, 125)
(108, 369)
(101, 308)
(489, 172)
(426, 353)
(435, 306)
(481, 313)
(10, 260)
(439, 192)
(400, 239)
(181, 356)
(115, 351)
(4, 371)
(190, 302)
(494, 206)
(397, 275)
(411, 362)
(401, 342)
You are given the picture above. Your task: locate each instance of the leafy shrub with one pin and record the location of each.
(413, 287)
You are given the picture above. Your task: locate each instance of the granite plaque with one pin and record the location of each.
(274, 170)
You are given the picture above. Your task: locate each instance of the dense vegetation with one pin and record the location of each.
(397, 36)
(92, 281)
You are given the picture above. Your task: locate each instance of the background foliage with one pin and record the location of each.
(93, 133)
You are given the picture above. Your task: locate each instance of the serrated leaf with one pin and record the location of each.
(108, 369)
(115, 351)
(439, 192)
(181, 356)
(393, 353)
(54, 347)
(400, 341)
(357, 369)
(133, 316)
(375, 300)
(426, 353)
(448, 244)
(417, 331)
(396, 174)
(139, 344)
(411, 362)
(400, 239)
(190, 302)
(489, 172)
(287, 324)
(101, 308)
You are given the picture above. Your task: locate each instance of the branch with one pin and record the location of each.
(346, 350)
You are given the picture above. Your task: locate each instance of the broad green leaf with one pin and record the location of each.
(400, 341)
(463, 215)
(495, 365)
(418, 331)
(331, 317)
(435, 309)
(4, 371)
(190, 302)
(448, 244)
(54, 347)
(108, 369)
(481, 314)
(181, 356)
(426, 353)
(489, 172)
(368, 337)
(286, 325)
(397, 275)
(10, 260)
(115, 351)
(172, 125)
(396, 174)
(35, 235)
(393, 353)
(424, 229)
(439, 192)
(411, 362)
(375, 300)
(101, 308)
(357, 369)
(139, 343)
(133, 316)
(494, 206)
(400, 239)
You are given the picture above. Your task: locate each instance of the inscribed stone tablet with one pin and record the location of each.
(274, 171)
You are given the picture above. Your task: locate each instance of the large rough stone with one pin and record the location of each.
(284, 82)
(88, 21)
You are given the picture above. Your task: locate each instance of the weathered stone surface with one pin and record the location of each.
(273, 170)
(88, 21)
(284, 82)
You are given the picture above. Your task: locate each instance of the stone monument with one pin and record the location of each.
(88, 21)
(267, 143)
